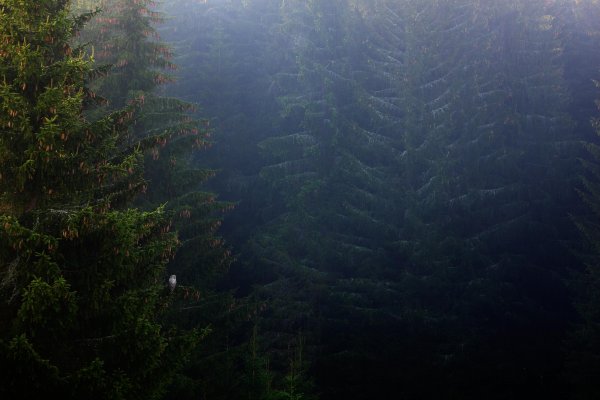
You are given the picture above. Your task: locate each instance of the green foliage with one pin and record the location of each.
(125, 36)
(81, 276)
(42, 90)
(44, 304)
(404, 172)
(583, 344)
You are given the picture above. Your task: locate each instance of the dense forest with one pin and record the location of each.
(300, 199)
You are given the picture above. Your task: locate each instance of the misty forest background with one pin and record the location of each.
(361, 199)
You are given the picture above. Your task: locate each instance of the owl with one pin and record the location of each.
(172, 282)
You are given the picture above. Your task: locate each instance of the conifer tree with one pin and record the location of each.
(123, 35)
(82, 278)
(583, 345)
(125, 39)
(407, 192)
(481, 91)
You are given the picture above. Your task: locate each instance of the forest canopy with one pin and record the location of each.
(355, 199)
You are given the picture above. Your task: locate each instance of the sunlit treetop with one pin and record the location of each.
(49, 152)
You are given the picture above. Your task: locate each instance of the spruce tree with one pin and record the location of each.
(126, 41)
(123, 35)
(583, 345)
(82, 282)
(125, 38)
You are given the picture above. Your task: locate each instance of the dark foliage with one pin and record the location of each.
(415, 186)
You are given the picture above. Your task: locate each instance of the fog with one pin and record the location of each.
(401, 196)
(406, 176)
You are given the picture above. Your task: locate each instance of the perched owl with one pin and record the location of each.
(172, 282)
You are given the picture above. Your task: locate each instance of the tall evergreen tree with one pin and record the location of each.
(125, 38)
(413, 185)
(82, 277)
(230, 63)
(583, 345)
(476, 106)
